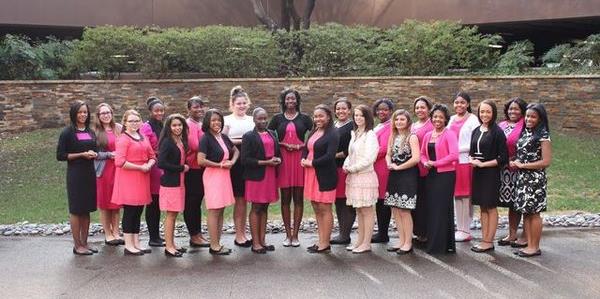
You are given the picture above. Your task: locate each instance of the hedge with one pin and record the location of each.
(413, 48)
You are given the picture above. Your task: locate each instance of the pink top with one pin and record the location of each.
(310, 145)
(380, 166)
(420, 133)
(512, 136)
(290, 135)
(132, 186)
(155, 172)
(194, 135)
(268, 144)
(446, 151)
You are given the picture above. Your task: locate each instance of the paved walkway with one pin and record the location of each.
(44, 267)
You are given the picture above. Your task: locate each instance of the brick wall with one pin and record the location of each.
(573, 102)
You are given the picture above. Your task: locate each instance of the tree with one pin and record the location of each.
(289, 16)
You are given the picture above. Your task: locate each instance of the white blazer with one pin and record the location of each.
(362, 152)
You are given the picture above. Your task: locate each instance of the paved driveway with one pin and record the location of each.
(44, 267)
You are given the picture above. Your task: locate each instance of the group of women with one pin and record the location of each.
(371, 162)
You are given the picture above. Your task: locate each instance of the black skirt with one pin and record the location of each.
(402, 188)
(440, 211)
(237, 177)
(485, 187)
(81, 186)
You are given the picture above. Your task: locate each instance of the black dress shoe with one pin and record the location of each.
(522, 253)
(87, 252)
(377, 238)
(269, 247)
(261, 250)
(177, 253)
(200, 245)
(392, 249)
(93, 250)
(145, 250)
(482, 250)
(156, 243)
(246, 244)
(313, 247)
(514, 244)
(121, 241)
(114, 242)
(127, 252)
(222, 251)
(503, 242)
(404, 252)
(337, 241)
(317, 250)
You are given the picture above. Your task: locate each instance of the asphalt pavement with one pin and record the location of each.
(44, 267)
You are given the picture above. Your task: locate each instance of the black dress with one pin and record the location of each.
(487, 146)
(402, 184)
(81, 176)
(440, 208)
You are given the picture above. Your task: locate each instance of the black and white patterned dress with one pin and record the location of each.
(402, 184)
(531, 184)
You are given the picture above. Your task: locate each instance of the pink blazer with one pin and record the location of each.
(380, 166)
(446, 151)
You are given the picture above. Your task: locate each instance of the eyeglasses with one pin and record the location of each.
(105, 113)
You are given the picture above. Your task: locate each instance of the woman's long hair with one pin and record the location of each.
(167, 135)
(404, 134)
(101, 137)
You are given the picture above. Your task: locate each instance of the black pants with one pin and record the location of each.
(131, 219)
(153, 218)
(384, 214)
(346, 216)
(194, 192)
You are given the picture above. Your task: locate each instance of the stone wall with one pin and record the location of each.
(573, 102)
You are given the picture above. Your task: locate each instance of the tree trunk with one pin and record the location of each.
(285, 13)
(308, 9)
(262, 16)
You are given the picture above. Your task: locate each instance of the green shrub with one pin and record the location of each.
(518, 56)
(108, 50)
(18, 59)
(420, 48)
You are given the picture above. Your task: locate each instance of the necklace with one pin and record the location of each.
(290, 117)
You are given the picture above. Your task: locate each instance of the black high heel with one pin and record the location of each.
(175, 254)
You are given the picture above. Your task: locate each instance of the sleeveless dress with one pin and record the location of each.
(402, 184)
(531, 196)
(508, 176)
(291, 173)
(172, 199)
(105, 183)
(264, 191)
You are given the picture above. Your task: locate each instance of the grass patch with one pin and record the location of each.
(32, 182)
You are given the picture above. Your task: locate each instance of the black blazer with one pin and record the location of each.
(344, 132)
(492, 145)
(253, 151)
(324, 159)
(279, 123)
(169, 160)
(212, 149)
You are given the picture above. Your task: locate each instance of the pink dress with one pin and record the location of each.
(132, 187)
(155, 172)
(420, 133)
(218, 192)
(311, 184)
(172, 199)
(291, 173)
(105, 183)
(383, 135)
(264, 191)
(464, 171)
(194, 135)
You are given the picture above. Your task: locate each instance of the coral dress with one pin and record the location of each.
(132, 187)
(218, 192)
(105, 183)
(291, 173)
(264, 191)
(311, 184)
(172, 199)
